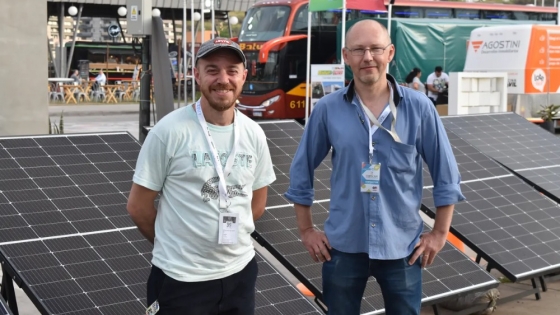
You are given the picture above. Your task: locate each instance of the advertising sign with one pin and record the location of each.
(325, 79)
(530, 54)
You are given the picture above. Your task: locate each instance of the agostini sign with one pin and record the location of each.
(530, 54)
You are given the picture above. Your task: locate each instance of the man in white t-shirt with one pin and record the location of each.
(437, 82)
(212, 166)
(101, 78)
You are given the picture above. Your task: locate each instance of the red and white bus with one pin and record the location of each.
(274, 39)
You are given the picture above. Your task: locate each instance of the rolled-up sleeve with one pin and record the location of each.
(438, 155)
(312, 149)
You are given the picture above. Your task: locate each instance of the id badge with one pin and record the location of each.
(371, 174)
(228, 228)
(153, 309)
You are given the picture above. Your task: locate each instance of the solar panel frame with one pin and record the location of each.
(277, 231)
(92, 270)
(4, 309)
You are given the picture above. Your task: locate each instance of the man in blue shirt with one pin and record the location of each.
(374, 227)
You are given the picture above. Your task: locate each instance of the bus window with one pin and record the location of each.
(467, 14)
(372, 14)
(528, 16)
(545, 16)
(438, 13)
(407, 12)
(503, 15)
(300, 20)
(262, 77)
(264, 23)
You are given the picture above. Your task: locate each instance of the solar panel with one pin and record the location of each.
(508, 138)
(452, 272)
(283, 139)
(276, 296)
(503, 219)
(66, 236)
(4, 309)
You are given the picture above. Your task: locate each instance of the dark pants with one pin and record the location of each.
(345, 277)
(233, 295)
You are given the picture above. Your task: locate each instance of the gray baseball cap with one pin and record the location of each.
(217, 43)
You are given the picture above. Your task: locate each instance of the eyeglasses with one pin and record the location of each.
(372, 51)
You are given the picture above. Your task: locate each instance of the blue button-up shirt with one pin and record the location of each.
(386, 225)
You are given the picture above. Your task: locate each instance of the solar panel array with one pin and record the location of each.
(520, 145)
(452, 272)
(505, 220)
(66, 235)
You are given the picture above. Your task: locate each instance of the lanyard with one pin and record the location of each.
(223, 173)
(374, 124)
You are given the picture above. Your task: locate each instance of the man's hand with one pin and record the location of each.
(317, 244)
(430, 244)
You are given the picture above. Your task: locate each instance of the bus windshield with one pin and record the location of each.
(264, 23)
(261, 77)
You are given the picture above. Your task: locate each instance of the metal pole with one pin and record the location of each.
(122, 31)
(202, 28)
(308, 71)
(184, 42)
(192, 53)
(229, 26)
(61, 39)
(56, 71)
(389, 13)
(213, 17)
(174, 28)
(145, 82)
(74, 39)
(343, 31)
(179, 75)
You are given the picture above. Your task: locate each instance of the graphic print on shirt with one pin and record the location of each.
(439, 84)
(210, 190)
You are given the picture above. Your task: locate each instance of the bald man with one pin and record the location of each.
(379, 133)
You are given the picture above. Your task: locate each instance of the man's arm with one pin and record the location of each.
(258, 203)
(431, 243)
(315, 241)
(142, 210)
(436, 151)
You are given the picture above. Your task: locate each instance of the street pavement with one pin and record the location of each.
(124, 117)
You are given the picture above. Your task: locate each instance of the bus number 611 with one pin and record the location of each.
(297, 104)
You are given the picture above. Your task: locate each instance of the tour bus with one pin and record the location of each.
(277, 31)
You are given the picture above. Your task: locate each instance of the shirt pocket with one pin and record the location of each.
(401, 158)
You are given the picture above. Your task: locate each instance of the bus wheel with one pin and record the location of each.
(301, 121)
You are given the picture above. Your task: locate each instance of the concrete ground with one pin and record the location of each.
(123, 117)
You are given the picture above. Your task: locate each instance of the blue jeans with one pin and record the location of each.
(345, 277)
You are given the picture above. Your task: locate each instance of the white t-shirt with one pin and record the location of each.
(176, 160)
(437, 82)
(101, 78)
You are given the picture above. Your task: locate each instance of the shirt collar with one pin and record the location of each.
(397, 95)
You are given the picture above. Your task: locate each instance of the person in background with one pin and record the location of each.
(413, 80)
(437, 82)
(212, 165)
(374, 227)
(101, 78)
(76, 76)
